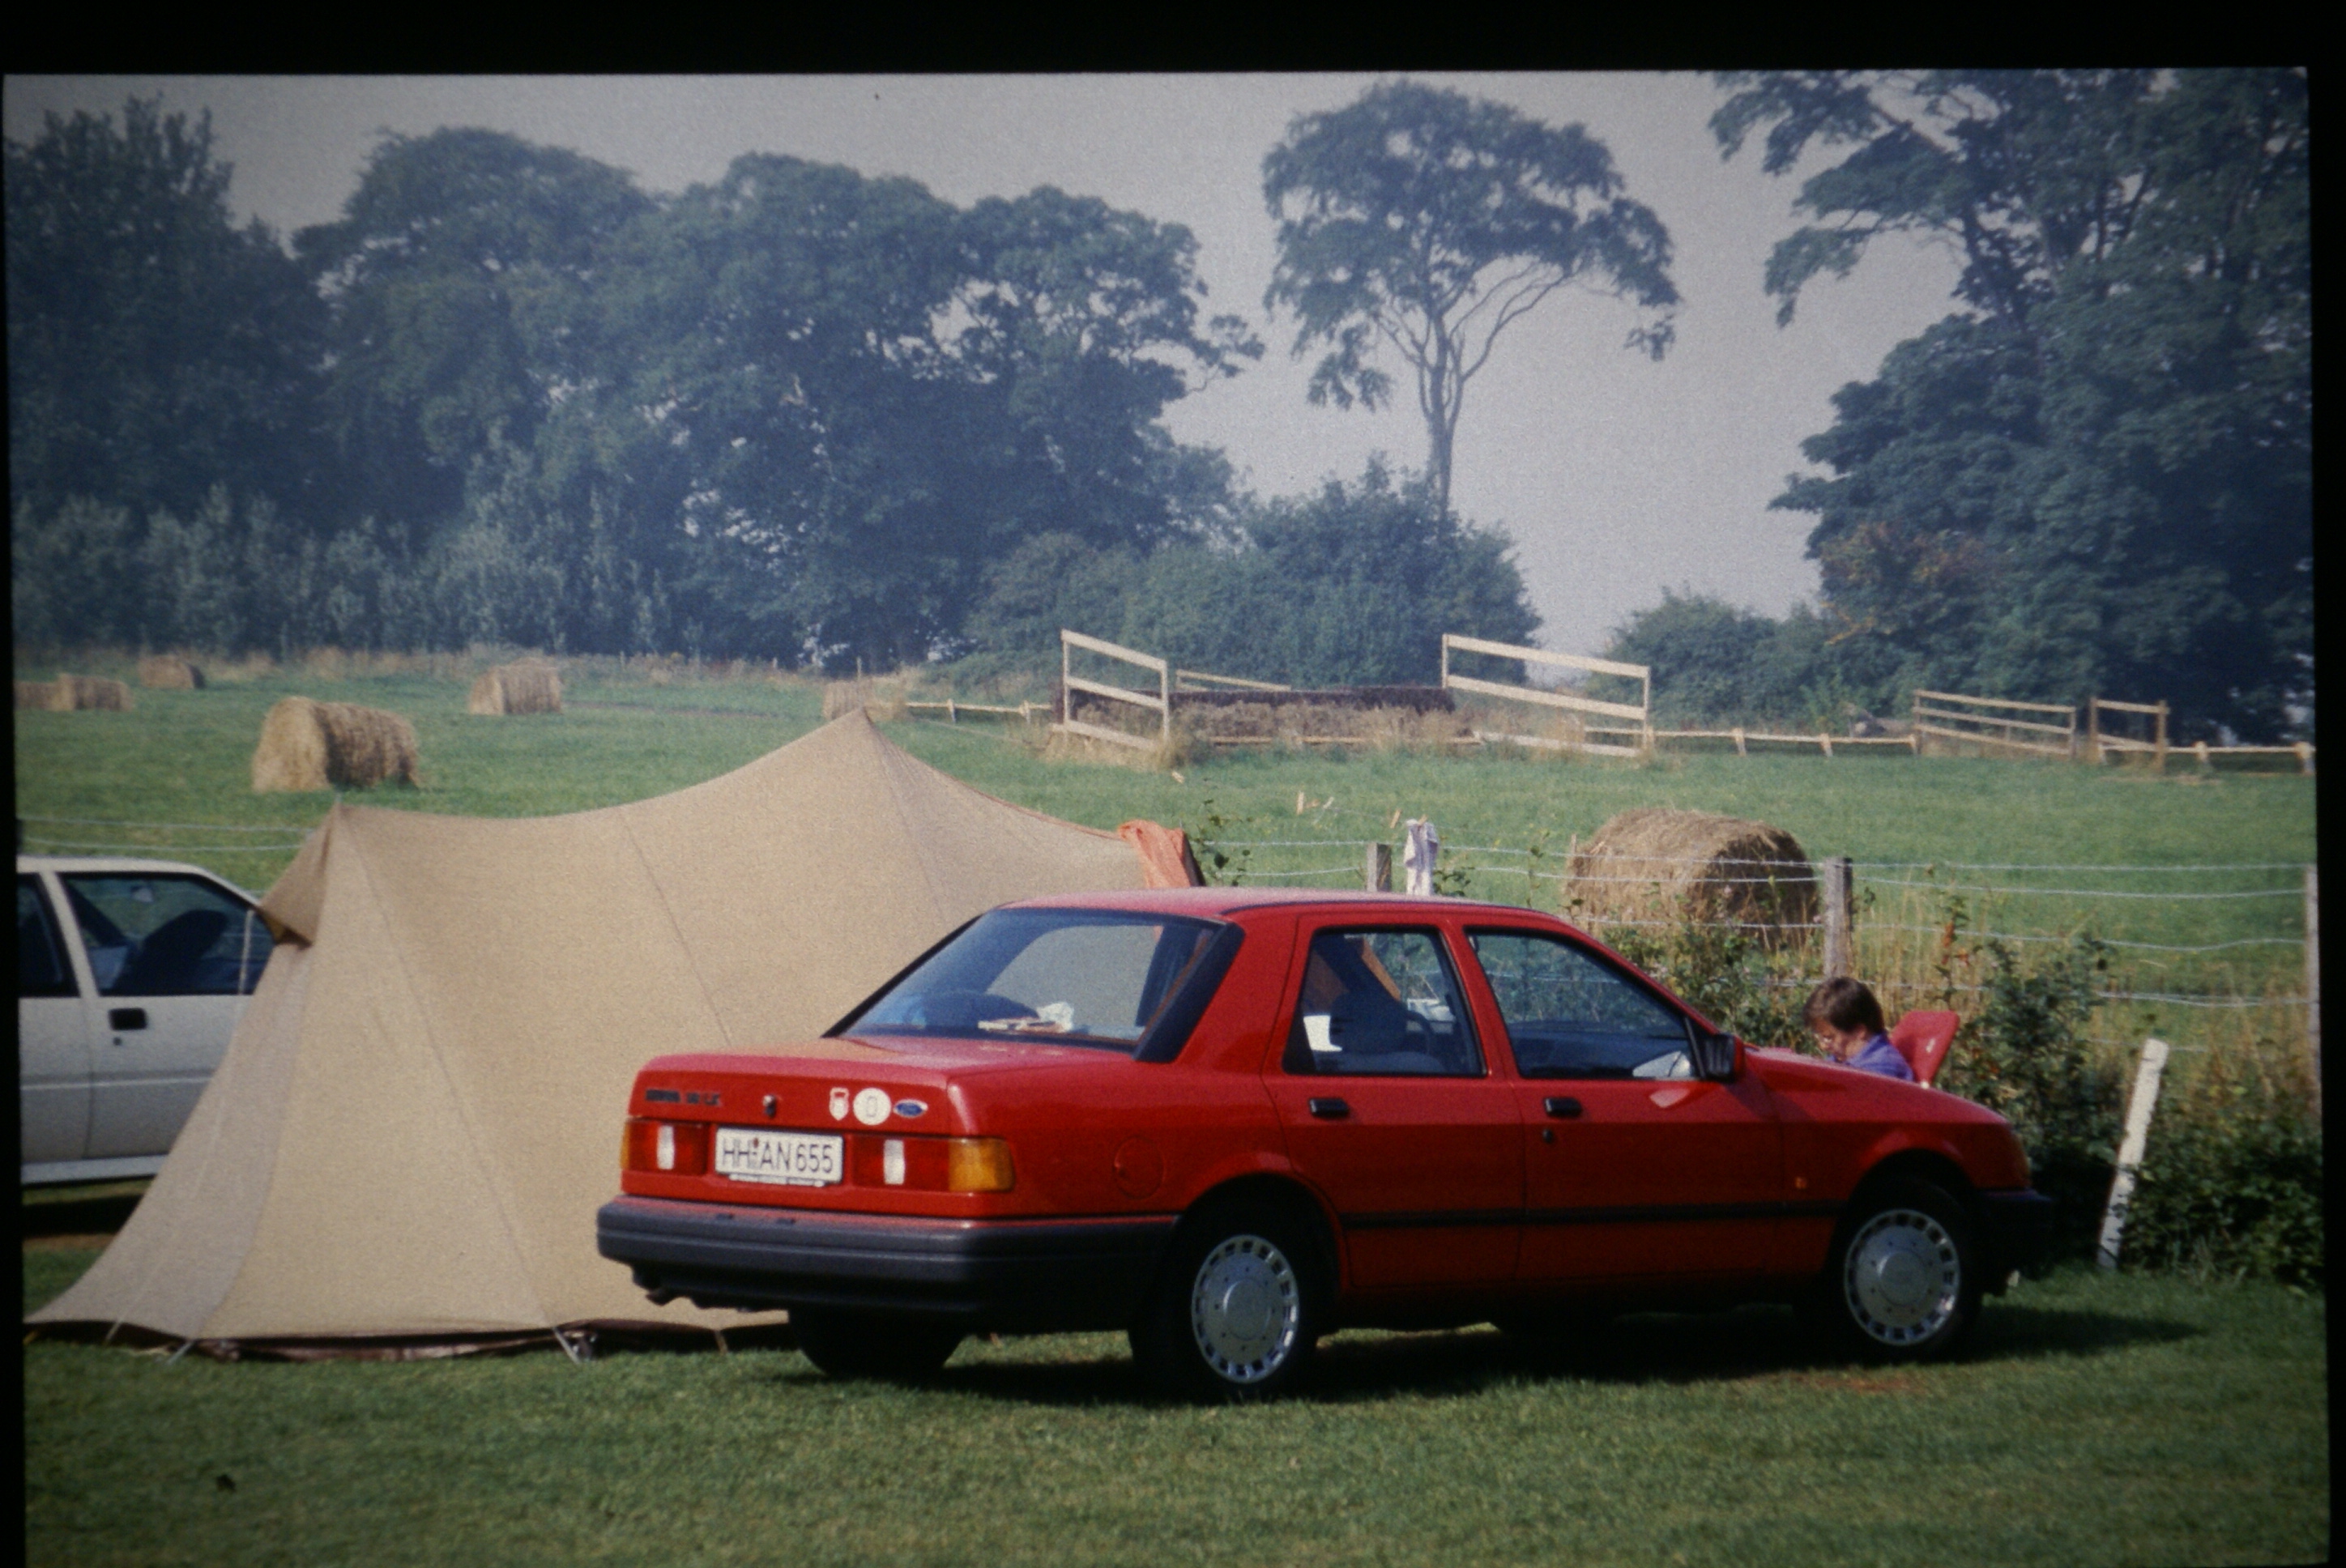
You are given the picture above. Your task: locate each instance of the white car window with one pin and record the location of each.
(166, 935)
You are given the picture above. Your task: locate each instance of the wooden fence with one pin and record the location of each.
(1198, 680)
(1641, 711)
(1935, 716)
(1160, 702)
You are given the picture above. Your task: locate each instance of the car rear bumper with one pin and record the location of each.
(2016, 1226)
(1000, 1276)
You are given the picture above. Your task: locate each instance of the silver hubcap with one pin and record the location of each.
(1904, 1277)
(1245, 1310)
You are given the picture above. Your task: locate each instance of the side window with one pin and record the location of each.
(41, 967)
(166, 935)
(1381, 1002)
(1570, 1015)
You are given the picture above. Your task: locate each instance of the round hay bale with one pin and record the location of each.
(40, 694)
(169, 672)
(1656, 863)
(89, 693)
(527, 686)
(307, 745)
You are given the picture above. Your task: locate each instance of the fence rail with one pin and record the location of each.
(1641, 710)
(1070, 683)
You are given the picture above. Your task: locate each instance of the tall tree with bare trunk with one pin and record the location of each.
(1429, 221)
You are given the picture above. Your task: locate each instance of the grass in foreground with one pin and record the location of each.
(2092, 1419)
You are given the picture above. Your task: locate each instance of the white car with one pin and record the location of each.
(130, 977)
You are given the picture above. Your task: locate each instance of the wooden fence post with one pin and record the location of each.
(2160, 740)
(1377, 874)
(2137, 1133)
(2314, 977)
(1838, 886)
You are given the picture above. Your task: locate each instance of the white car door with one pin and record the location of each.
(52, 1025)
(173, 958)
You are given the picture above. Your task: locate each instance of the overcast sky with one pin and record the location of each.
(1617, 476)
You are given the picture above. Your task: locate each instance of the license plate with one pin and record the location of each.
(788, 1159)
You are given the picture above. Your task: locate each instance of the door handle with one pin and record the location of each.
(1328, 1108)
(126, 1018)
(1560, 1106)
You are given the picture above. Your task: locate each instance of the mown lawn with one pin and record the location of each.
(185, 757)
(2091, 1420)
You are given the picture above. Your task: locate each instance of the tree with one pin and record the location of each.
(457, 275)
(1354, 584)
(2096, 477)
(155, 349)
(1082, 328)
(1429, 221)
(2024, 172)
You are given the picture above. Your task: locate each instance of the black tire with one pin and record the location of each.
(1902, 1282)
(1236, 1311)
(874, 1345)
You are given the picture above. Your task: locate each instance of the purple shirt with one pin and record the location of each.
(1881, 1056)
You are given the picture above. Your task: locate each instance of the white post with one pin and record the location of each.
(2137, 1133)
(1420, 854)
(2314, 977)
(1839, 949)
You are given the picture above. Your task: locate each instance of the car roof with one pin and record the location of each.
(1227, 901)
(119, 864)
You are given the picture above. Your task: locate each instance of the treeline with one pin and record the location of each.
(511, 397)
(2096, 477)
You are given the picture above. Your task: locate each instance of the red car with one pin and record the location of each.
(1229, 1120)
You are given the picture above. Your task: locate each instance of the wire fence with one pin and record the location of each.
(1962, 918)
(2195, 946)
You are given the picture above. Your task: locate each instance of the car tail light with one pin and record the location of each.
(669, 1148)
(977, 1165)
(933, 1165)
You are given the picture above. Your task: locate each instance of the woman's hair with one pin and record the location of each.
(1844, 1003)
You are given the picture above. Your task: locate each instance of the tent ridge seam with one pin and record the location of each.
(676, 929)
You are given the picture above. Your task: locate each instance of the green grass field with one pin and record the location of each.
(184, 758)
(2091, 1420)
(2094, 1419)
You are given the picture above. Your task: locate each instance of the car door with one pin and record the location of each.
(1634, 1168)
(1384, 1096)
(173, 957)
(52, 1033)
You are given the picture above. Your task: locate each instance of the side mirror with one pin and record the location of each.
(1715, 1057)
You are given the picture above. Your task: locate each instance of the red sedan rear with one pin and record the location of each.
(1230, 1120)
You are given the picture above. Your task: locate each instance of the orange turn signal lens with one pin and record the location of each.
(978, 1164)
(932, 1164)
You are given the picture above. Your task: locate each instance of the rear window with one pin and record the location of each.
(1110, 979)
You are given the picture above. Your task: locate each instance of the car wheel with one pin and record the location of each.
(1902, 1283)
(1236, 1311)
(870, 1345)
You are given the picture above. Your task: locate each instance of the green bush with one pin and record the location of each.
(2025, 1055)
(1739, 983)
(2231, 1178)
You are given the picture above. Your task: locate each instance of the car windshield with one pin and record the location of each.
(1083, 977)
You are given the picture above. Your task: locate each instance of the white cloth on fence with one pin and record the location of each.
(1418, 855)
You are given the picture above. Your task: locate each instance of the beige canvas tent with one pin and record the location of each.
(421, 1111)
